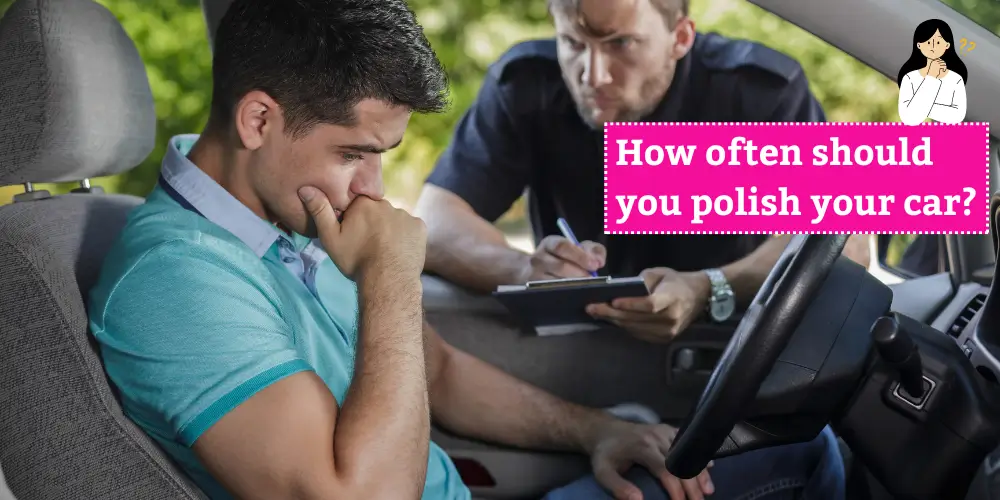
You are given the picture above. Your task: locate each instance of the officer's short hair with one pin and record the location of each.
(668, 8)
(319, 58)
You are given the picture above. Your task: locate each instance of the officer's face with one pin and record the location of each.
(618, 56)
(344, 162)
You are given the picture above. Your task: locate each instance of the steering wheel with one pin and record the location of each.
(761, 336)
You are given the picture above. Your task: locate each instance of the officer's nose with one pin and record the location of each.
(368, 179)
(596, 73)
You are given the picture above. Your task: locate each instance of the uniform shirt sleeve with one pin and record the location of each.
(189, 333)
(797, 103)
(488, 161)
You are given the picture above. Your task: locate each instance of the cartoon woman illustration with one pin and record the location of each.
(932, 82)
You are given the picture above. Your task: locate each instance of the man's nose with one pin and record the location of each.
(368, 180)
(595, 70)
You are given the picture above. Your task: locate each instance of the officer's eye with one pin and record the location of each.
(622, 42)
(573, 43)
(350, 157)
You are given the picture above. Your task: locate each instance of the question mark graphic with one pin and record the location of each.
(972, 45)
(963, 42)
(972, 194)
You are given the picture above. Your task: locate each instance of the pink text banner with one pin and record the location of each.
(740, 178)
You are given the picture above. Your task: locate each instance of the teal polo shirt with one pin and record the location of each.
(201, 304)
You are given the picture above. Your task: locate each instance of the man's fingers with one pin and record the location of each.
(705, 481)
(617, 485)
(654, 462)
(318, 206)
(693, 489)
(673, 487)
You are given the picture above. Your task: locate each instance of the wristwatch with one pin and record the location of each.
(722, 301)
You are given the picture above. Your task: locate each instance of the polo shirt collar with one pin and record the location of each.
(216, 204)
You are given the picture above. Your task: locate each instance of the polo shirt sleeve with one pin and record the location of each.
(488, 161)
(192, 330)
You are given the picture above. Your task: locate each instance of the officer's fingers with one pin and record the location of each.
(597, 250)
(563, 269)
(655, 303)
(567, 251)
(319, 209)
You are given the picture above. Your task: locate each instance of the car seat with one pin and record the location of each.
(76, 104)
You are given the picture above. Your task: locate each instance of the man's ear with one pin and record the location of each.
(684, 34)
(255, 115)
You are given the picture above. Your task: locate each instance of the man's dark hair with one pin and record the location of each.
(318, 58)
(667, 8)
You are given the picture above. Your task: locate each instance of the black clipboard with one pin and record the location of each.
(545, 306)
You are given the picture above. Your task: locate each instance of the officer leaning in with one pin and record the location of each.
(537, 123)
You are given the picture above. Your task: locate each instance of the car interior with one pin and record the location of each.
(903, 365)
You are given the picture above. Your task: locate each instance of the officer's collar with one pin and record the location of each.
(669, 109)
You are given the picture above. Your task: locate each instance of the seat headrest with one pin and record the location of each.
(74, 98)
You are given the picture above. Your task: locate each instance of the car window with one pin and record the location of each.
(912, 255)
(985, 13)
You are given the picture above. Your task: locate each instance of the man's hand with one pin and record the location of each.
(556, 257)
(675, 300)
(619, 445)
(373, 233)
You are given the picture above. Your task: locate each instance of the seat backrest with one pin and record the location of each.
(75, 104)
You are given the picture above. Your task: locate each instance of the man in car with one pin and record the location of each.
(261, 313)
(537, 123)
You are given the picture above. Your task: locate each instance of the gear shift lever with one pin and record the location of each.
(898, 350)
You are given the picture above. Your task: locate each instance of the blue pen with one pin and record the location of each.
(568, 234)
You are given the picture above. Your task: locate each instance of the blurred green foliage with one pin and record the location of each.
(468, 35)
(986, 13)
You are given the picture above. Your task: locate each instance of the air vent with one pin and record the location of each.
(967, 314)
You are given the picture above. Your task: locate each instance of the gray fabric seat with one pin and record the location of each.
(75, 104)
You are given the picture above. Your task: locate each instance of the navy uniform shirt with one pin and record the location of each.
(524, 131)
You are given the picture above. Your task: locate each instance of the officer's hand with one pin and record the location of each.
(556, 257)
(675, 300)
(373, 234)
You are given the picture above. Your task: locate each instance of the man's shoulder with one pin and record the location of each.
(536, 59)
(718, 53)
(159, 242)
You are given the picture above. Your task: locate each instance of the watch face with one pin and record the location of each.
(722, 307)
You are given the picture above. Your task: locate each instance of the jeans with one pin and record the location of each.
(802, 471)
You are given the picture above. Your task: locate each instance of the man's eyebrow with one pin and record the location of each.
(370, 148)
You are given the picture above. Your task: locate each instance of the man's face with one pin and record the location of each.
(617, 57)
(343, 162)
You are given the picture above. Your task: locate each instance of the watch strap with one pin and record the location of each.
(717, 280)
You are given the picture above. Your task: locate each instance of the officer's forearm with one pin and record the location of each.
(747, 275)
(464, 248)
(469, 251)
(475, 263)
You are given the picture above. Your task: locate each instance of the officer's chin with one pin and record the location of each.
(596, 118)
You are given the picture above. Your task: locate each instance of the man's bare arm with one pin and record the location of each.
(288, 441)
(474, 399)
(463, 247)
